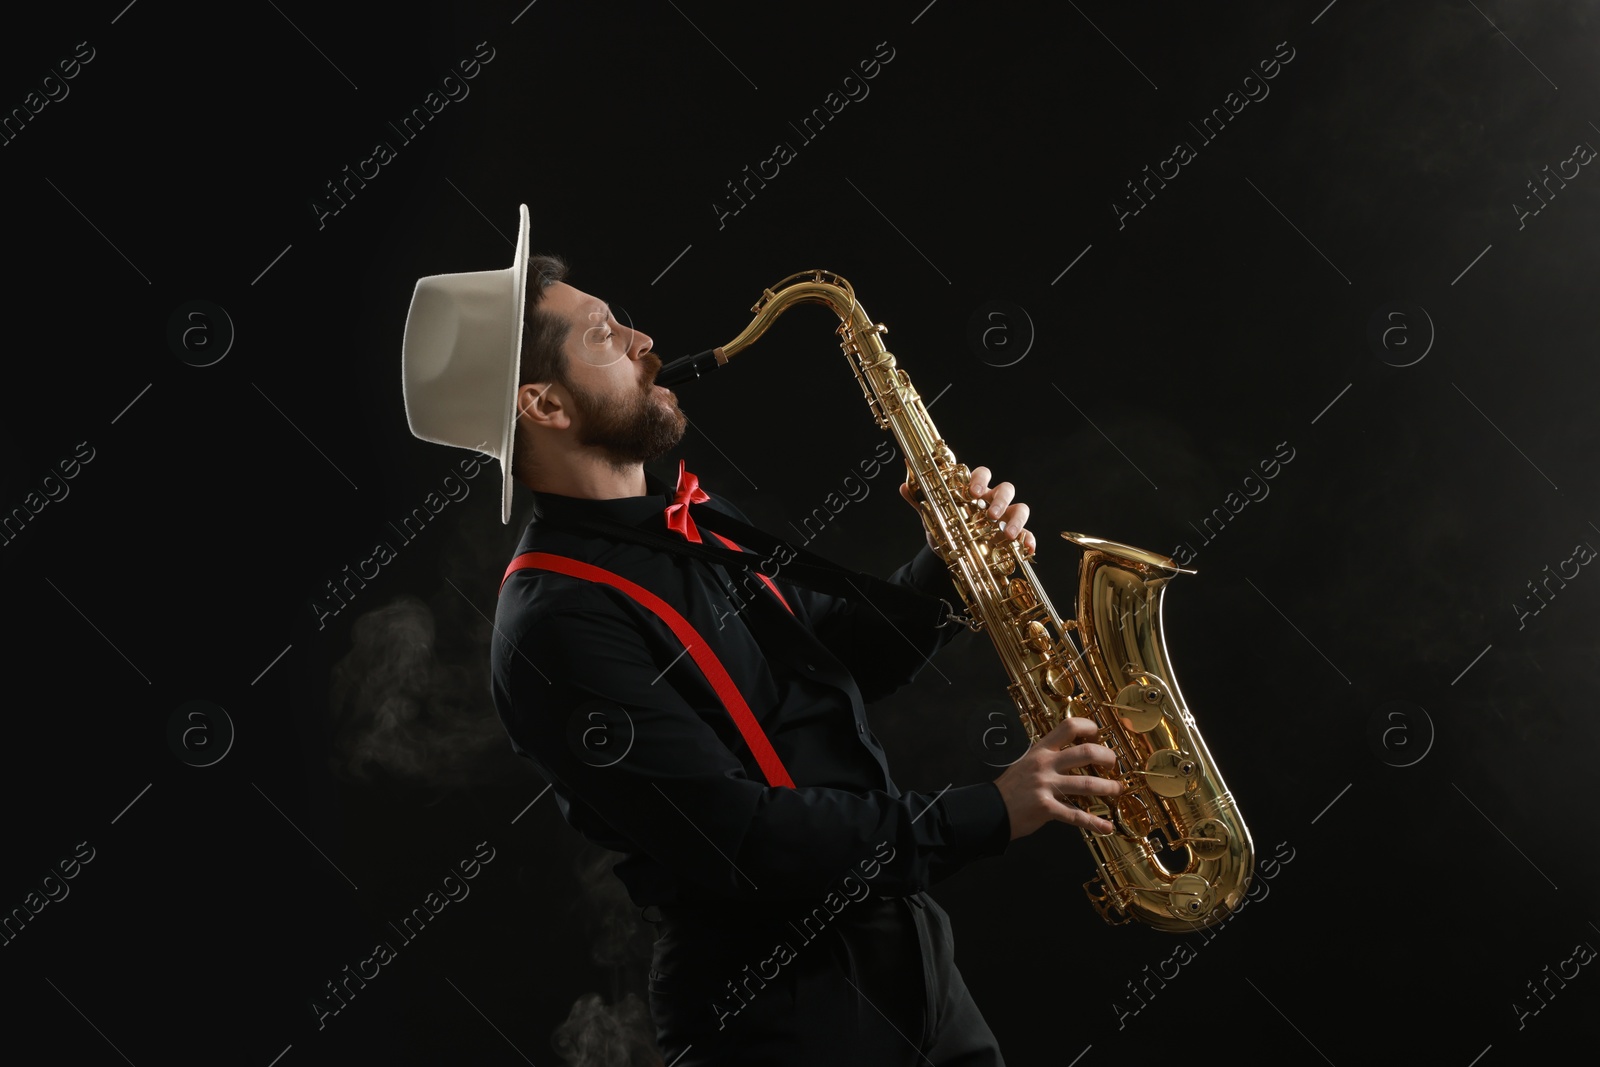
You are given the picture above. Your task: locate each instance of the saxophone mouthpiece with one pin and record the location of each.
(688, 368)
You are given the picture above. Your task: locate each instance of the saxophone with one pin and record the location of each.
(1180, 857)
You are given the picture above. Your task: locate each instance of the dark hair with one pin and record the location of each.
(543, 336)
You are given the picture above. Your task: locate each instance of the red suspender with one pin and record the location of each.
(754, 737)
(770, 584)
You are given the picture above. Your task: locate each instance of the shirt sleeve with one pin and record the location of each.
(635, 757)
(884, 651)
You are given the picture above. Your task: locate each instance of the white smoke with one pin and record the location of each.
(596, 1034)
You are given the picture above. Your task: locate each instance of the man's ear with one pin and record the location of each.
(543, 405)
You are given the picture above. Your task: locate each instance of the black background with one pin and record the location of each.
(1373, 609)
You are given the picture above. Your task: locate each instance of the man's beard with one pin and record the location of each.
(632, 430)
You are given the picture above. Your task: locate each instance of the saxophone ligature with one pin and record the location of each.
(1179, 857)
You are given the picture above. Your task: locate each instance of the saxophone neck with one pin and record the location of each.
(806, 287)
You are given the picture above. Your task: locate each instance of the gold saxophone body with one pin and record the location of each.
(1180, 857)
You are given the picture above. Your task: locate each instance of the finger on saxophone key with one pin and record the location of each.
(1072, 730)
(1079, 790)
(1037, 788)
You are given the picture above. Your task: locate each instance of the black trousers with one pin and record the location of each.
(873, 984)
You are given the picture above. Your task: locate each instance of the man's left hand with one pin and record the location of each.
(1001, 507)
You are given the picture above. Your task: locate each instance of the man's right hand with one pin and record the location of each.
(1032, 786)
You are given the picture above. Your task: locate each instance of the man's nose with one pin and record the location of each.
(639, 344)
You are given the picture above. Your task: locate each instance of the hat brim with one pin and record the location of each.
(519, 280)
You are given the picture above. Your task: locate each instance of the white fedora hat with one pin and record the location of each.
(462, 356)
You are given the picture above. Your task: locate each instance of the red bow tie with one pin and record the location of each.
(688, 492)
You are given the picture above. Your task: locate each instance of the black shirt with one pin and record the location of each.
(644, 759)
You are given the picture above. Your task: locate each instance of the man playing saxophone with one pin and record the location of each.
(719, 743)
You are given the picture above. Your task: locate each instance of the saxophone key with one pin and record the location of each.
(1132, 817)
(1169, 773)
(1191, 897)
(1059, 686)
(1021, 598)
(1142, 704)
(1038, 637)
(1097, 806)
(1210, 839)
(1110, 909)
(1001, 557)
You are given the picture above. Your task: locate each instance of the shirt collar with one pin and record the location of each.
(632, 510)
